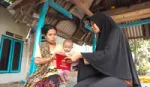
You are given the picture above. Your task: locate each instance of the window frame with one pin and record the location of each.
(11, 54)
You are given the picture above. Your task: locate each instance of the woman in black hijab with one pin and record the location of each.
(111, 65)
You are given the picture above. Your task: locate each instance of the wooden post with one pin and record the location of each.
(81, 5)
(30, 46)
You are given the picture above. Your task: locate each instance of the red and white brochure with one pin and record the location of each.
(62, 64)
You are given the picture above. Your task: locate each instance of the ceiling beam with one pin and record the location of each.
(128, 9)
(121, 20)
(136, 12)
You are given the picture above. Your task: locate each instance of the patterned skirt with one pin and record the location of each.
(51, 81)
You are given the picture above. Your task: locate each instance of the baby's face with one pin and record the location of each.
(68, 46)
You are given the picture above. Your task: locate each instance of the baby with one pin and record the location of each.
(67, 47)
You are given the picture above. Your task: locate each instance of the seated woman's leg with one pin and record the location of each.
(86, 82)
(31, 81)
(109, 82)
(102, 82)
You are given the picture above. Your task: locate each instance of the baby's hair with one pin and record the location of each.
(67, 40)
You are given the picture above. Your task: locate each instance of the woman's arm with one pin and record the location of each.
(38, 57)
(39, 60)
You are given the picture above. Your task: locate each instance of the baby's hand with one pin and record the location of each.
(68, 55)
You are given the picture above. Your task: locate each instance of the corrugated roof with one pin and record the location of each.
(138, 32)
(66, 28)
(73, 28)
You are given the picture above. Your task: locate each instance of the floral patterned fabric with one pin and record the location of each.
(51, 81)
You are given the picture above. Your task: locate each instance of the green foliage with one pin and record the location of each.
(141, 51)
(140, 48)
(10, 1)
(142, 69)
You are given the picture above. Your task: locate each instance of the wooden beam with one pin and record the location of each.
(128, 9)
(24, 3)
(135, 12)
(132, 18)
(81, 5)
(14, 4)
